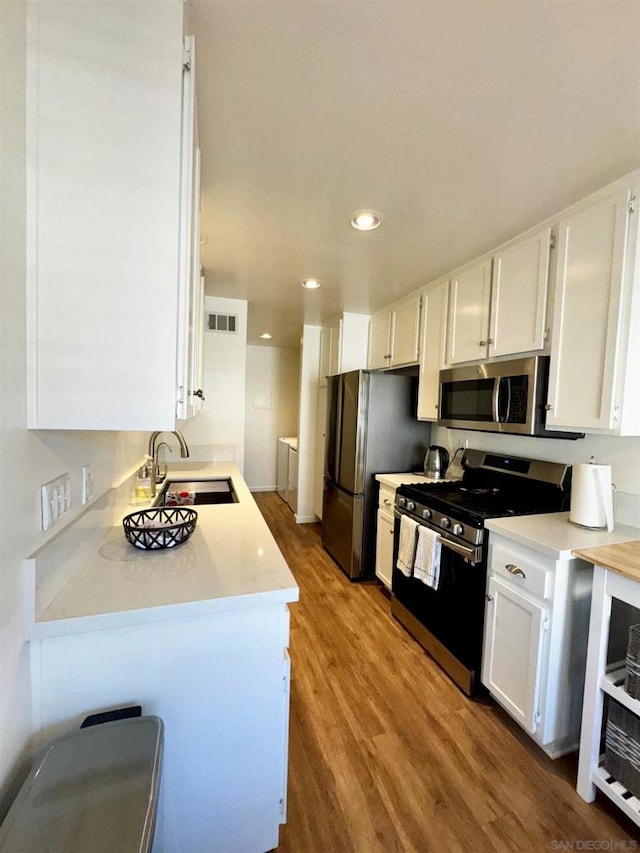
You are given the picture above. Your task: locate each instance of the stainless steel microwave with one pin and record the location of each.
(500, 396)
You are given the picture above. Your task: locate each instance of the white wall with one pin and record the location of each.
(623, 454)
(307, 422)
(28, 459)
(271, 410)
(217, 434)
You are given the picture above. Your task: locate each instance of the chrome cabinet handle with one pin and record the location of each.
(515, 570)
(548, 407)
(482, 344)
(387, 502)
(490, 341)
(199, 393)
(489, 597)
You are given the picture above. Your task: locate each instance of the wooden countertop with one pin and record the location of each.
(623, 558)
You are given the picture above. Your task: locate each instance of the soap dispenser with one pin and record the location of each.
(145, 482)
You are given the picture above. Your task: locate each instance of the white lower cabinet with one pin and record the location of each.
(534, 652)
(514, 635)
(384, 548)
(384, 535)
(220, 683)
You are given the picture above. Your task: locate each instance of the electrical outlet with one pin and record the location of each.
(87, 484)
(55, 500)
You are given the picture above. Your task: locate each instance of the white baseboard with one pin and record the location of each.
(262, 488)
(306, 519)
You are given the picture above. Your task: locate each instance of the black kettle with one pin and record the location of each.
(436, 462)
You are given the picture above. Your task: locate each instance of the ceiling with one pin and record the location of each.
(463, 122)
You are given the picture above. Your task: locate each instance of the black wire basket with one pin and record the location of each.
(163, 527)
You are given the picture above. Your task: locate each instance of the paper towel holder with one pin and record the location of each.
(592, 497)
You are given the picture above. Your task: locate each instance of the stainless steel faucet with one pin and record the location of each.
(155, 448)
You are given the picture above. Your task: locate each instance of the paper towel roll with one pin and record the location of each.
(592, 497)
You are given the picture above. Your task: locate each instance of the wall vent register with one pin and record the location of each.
(222, 323)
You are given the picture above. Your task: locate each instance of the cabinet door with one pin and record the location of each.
(335, 348)
(103, 199)
(469, 294)
(195, 396)
(586, 315)
(519, 296)
(189, 237)
(513, 649)
(384, 548)
(325, 354)
(405, 333)
(432, 354)
(379, 351)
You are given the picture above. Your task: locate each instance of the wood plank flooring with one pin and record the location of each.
(386, 754)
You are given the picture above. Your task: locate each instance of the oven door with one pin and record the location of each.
(448, 622)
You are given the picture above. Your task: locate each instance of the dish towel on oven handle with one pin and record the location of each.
(407, 545)
(426, 566)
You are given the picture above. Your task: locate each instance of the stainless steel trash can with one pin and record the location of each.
(94, 790)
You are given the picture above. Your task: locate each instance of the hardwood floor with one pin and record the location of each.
(386, 754)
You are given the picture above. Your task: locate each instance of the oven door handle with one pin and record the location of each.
(462, 550)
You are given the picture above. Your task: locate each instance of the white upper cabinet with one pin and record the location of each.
(330, 339)
(469, 295)
(190, 281)
(594, 384)
(394, 335)
(501, 313)
(432, 354)
(343, 345)
(519, 296)
(379, 354)
(112, 268)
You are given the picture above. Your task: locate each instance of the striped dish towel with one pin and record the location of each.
(426, 565)
(407, 545)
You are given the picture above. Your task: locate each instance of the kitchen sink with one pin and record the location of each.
(195, 492)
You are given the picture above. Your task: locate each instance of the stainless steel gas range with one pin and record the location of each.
(448, 621)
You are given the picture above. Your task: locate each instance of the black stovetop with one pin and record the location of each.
(485, 492)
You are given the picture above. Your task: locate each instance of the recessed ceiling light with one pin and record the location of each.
(311, 283)
(265, 336)
(366, 220)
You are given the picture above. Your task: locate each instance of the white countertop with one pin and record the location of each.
(230, 561)
(395, 480)
(552, 534)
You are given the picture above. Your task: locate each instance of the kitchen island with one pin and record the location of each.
(197, 635)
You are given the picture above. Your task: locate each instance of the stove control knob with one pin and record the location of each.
(426, 513)
(402, 501)
(411, 506)
(457, 530)
(445, 522)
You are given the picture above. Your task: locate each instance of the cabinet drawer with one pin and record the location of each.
(387, 498)
(522, 572)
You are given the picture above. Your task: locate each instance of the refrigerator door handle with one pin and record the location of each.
(338, 433)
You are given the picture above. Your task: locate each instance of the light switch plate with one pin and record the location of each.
(87, 484)
(55, 500)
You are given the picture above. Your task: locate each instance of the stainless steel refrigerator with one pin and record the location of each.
(371, 429)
